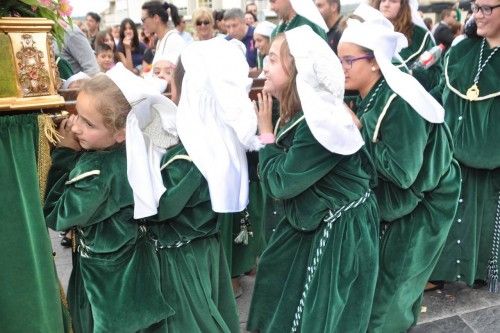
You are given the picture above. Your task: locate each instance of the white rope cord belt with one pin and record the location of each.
(493, 262)
(159, 246)
(318, 253)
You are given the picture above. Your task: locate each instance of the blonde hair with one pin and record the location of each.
(108, 101)
(202, 13)
(290, 101)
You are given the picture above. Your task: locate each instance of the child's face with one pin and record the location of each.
(163, 69)
(128, 32)
(89, 126)
(261, 43)
(105, 60)
(276, 76)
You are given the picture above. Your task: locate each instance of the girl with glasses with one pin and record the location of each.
(471, 96)
(418, 180)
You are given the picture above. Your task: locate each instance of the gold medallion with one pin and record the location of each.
(473, 92)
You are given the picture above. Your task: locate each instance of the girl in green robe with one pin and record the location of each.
(404, 15)
(205, 176)
(114, 285)
(471, 97)
(418, 180)
(318, 272)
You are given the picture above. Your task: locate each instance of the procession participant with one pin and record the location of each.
(205, 174)
(471, 98)
(404, 15)
(319, 270)
(294, 13)
(88, 190)
(418, 180)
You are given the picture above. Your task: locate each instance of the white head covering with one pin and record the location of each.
(150, 129)
(264, 28)
(307, 9)
(320, 85)
(216, 120)
(379, 36)
(415, 16)
(75, 77)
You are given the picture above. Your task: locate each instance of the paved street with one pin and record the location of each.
(456, 309)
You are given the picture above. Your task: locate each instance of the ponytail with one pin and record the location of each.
(163, 10)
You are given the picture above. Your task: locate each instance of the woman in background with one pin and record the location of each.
(130, 49)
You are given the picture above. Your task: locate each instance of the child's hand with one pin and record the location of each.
(264, 109)
(68, 137)
(355, 118)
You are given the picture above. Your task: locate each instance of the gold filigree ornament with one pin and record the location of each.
(33, 76)
(473, 93)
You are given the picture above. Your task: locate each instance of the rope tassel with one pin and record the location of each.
(493, 262)
(245, 231)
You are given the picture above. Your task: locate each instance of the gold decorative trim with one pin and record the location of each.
(32, 64)
(32, 75)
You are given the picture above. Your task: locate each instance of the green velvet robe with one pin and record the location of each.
(421, 42)
(115, 281)
(310, 181)
(194, 274)
(30, 299)
(475, 127)
(418, 185)
(272, 209)
(295, 22)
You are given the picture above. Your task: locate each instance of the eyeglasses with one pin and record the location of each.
(486, 10)
(144, 18)
(199, 22)
(347, 61)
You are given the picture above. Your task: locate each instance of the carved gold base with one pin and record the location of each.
(30, 78)
(30, 103)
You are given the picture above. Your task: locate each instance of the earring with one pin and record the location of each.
(374, 69)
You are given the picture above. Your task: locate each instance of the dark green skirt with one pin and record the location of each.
(339, 294)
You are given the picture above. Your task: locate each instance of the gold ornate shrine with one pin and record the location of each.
(29, 77)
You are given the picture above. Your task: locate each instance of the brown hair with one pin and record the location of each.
(108, 101)
(290, 101)
(403, 22)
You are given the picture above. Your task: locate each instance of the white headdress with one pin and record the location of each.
(320, 85)
(307, 9)
(264, 28)
(379, 36)
(415, 15)
(216, 120)
(150, 129)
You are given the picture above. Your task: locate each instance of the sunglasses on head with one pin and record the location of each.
(200, 22)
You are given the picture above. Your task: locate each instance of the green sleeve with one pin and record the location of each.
(398, 154)
(430, 77)
(63, 161)
(285, 175)
(81, 203)
(181, 179)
